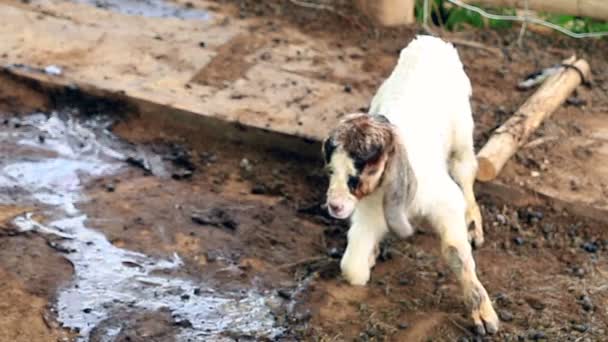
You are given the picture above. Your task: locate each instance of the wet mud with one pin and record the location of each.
(150, 8)
(54, 156)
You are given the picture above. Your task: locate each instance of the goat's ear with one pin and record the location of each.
(399, 184)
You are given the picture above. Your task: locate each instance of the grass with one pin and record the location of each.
(452, 17)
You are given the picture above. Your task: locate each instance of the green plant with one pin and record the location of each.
(444, 13)
(577, 24)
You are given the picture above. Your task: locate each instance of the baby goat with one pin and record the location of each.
(412, 156)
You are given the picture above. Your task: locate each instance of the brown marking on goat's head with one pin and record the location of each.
(357, 151)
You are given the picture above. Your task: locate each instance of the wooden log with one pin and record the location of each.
(513, 134)
(388, 12)
(597, 9)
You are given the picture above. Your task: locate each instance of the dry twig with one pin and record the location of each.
(302, 262)
(476, 45)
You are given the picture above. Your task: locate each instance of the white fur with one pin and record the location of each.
(337, 194)
(427, 98)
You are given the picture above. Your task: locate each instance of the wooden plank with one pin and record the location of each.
(513, 134)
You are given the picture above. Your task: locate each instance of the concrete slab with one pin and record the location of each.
(214, 67)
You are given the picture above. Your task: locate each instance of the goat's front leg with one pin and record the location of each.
(364, 236)
(457, 251)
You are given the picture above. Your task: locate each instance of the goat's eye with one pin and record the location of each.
(359, 164)
(329, 171)
(353, 183)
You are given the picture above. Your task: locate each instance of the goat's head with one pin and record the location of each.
(356, 154)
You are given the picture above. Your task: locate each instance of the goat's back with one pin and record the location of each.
(427, 98)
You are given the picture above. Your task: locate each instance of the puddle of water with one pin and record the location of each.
(149, 8)
(62, 152)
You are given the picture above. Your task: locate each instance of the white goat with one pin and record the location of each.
(412, 156)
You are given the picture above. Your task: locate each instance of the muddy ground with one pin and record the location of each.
(212, 240)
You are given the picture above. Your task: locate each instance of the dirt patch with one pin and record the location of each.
(230, 62)
(13, 96)
(31, 273)
(25, 316)
(264, 232)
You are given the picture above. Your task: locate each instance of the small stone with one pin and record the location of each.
(536, 335)
(505, 315)
(258, 189)
(501, 219)
(548, 228)
(403, 326)
(518, 240)
(535, 303)
(405, 281)
(302, 316)
(266, 56)
(184, 323)
(575, 101)
(87, 310)
(590, 247)
(502, 299)
(575, 185)
(586, 303)
(110, 187)
(246, 165)
(284, 294)
(185, 297)
(53, 70)
(578, 271)
(580, 327)
(348, 88)
(197, 291)
(211, 257)
(202, 44)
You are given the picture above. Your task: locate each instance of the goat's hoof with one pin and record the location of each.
(356, 279)
(486, 320)
(480, 330)
(355, 274)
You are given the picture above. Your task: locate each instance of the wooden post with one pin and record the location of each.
(513, 134)
(388, 12)
(597, 9)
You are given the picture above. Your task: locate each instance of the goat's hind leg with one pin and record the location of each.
(457, 252)
(458, 255)
(463, 168)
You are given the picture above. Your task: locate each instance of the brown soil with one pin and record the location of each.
(31, 273)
